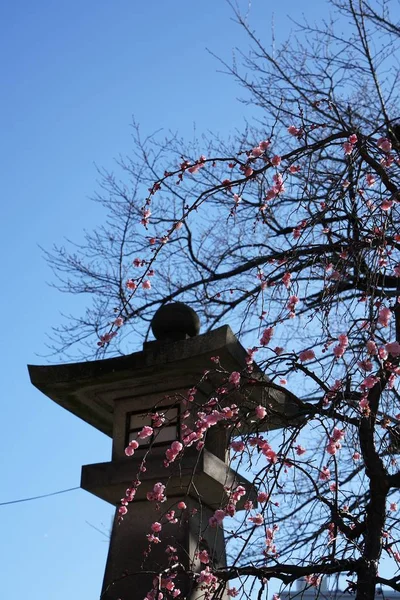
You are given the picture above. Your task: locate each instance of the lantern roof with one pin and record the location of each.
(89, 389)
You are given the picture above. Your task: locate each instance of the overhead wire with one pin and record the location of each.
(41, 496)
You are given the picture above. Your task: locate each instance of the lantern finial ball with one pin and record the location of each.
(175, 321)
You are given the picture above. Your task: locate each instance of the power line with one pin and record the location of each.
(38, 497)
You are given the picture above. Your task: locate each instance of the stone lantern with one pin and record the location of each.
(118, 397)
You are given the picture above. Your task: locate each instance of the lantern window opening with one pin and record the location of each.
(167, 433)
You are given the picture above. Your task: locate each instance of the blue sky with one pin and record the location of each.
(73, 74)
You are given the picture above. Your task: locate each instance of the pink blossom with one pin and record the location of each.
(156, 527)
(324, 474)
(369, 382)
(157, 495)
(384, 144)
(233, 592)
(262, 497)
(219, 516)
(337, 434)
(313, 580)
(260, 412)
(203, 557)
(146, 285)
(385, 314)
(264, 145)
(122, 511)
(258, 519)
(172, 452)
(365, 365)
(237, 446)
(146, 432)
(267, 336)
(118, 322)
(356, 456)
(292, 303)
(370, 179)
(293, 130)
(393, 348)
(372, 348)
(338, 351)
(130, 449)
(207, 577)
(182, 506)
(333, 447)
(353, 139)
(393, 506)
(306, 355)
(276, 160)
(170, 516)
(387, 204)
(382, 353)
(131, 285)
(234, 378)
(300, 450)
(348, 148)
(286, 280)
(256, 152)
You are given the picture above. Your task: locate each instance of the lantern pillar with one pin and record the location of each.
(118, 397)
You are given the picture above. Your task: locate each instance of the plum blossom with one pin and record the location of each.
(217, 518)
(234, 378)
(292, 303)
(146, 432)
(372, 348)
(306, 355)
(156, 527)
(387, 204)
(207, 577)
(293, 130)
(258, 519)
(324, 474)
(384, 144)
(267, 336)
(238, 446)
(157, 495)
(260, 411)
(203, 557)
(131, 285)
(130, 449)
(348, 148)
(172, 452)
(384, 316)
(276, 160)
(262, 497)
(370, 179)
(286, 280)
(393, 348)
(313, 580)
(146, 285)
